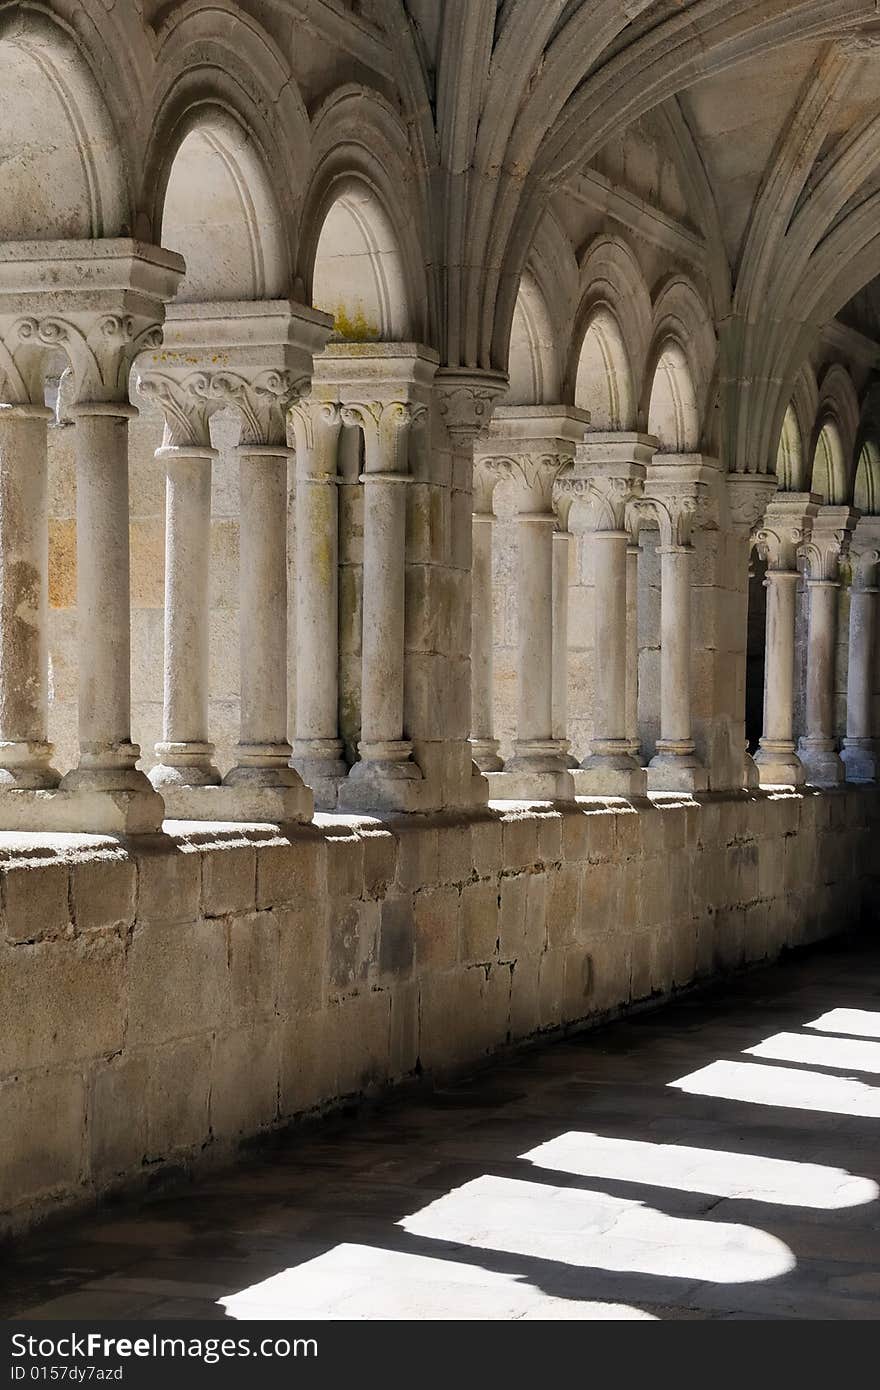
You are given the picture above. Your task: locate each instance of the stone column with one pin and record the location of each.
(25, 751)
(559, 728)
(255, 358)
(609, 472)
(385, 755)
(674, 491)
(484, 744)
(317, 748)
(747, 497)
(786, 524)
(633, 551)
(861, 747)
(829, 539)
(185, 753)
(107, 767)
(533, 444)
(99, 302)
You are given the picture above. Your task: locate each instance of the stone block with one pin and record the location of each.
(404, 1043)
(519, 842)
(599, 898)
(437, 913)
(244, 1081)
(308, 1065)
(178, 981)
(512, 909)
(563, 898)
(290, 871)
(575, 835)
(303, 957)
(486, 845)
(229, 874)
(417, 862)
(61, 1002)
(117, 1129)
(178, 1119)
(455, 862)
(551, 987)
(352, 942)
(169, 884)
(359, 1028)
(525, 1004)
(380, 859)
(103, 891)
(578, 984)
(684, 951)
(396, 937)
(254, 947)
(478, 940)
(35, 899)
(42, 1137)
(600, 835)
(610, 974)
(549, 837)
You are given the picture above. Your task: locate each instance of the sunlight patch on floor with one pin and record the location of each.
(844, 1054)
(713, 1171)
(594, 1230)
(363, 1283)
(862, 1023)
(788, 1087)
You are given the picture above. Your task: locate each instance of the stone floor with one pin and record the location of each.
(717, 1158)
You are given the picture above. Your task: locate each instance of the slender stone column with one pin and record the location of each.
(184, 754)
(532, 445)
(633, 552)
(861, 747)
(484, 744)
(25, 751)
(535, 744)
(317, 748)
(786, 524)
(99, 302)
(384, 752)
(747, 498)
(561, 544)
(829, 539)
(609, 472)
(107, 755)
(673, 502)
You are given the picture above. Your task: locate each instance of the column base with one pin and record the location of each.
(484, 752)
(530, 784)
(779, 765)
(611, 774)
(671, 770)
(751, 777)
(534, 755)
(861, 759)
(262, 786)
(384, 779)
(822, 762)
(184, 765)
(27, 765)
(92, 800)
(322, 767)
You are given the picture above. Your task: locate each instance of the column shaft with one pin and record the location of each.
(263, 748)
(781, 586)
(816, 748)
(535, 638)
(185, 751)
(24, 570)
(317, 620)
(561, 543)
(675, 765)
(483, 742)
(609, 606)
(860, 753)
(383, 616)
(632, 649)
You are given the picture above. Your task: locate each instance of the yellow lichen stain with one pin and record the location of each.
(62, 564)
(354, 327)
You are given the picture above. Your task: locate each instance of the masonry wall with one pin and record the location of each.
(161, 1003)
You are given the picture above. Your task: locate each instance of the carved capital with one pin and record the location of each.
(316, 426)
(674, 513)
(828, 543)
(386, 427)
(100, 349)
(489, 470)
(785, 528)
(865, 553)
(747, 498)
(465, 401)
(262, 399)
(610, 489)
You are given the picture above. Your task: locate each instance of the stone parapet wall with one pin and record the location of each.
(164, 1000)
